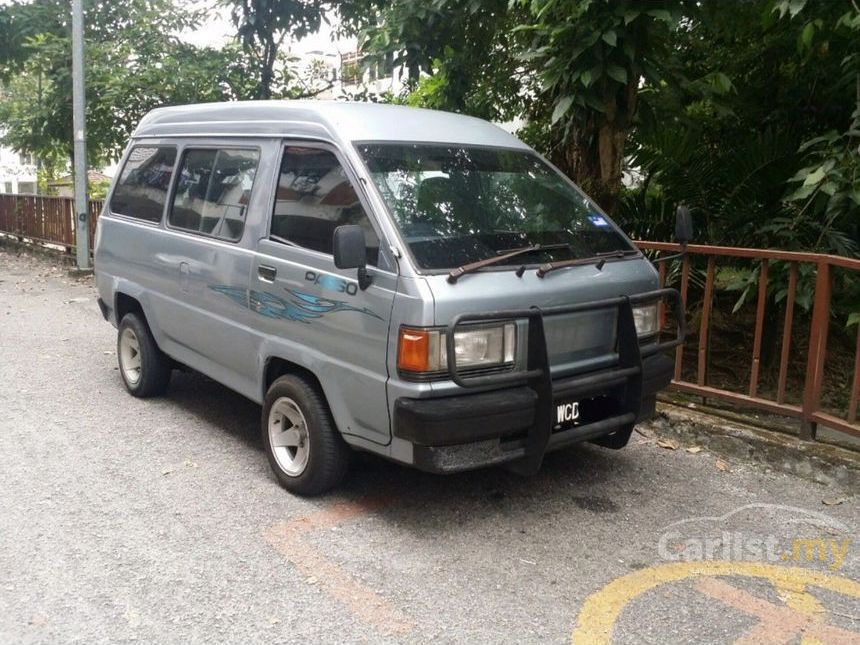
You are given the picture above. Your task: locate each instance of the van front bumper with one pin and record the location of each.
(467, 431)
(513, 418)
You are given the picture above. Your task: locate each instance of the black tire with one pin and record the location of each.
(328, 455)
(155, 365)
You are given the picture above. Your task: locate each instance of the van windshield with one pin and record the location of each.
(455, 205)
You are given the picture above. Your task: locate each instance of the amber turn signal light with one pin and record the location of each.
(413, 353)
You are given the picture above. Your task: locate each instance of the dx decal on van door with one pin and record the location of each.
(300, 306)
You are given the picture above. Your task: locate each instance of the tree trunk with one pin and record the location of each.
(264, 91)
(593, 155)
(593, 159)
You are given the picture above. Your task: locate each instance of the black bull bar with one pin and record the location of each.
(537, 374)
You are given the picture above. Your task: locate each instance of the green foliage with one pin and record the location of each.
(592, 54)
(748, 111)
(591, 57)
(731, 192)
(573, 67)
(462, 46)
(745, 280)
(262, 26)
(826, 190)
(728, 139)
(134, 62)
(99, 189)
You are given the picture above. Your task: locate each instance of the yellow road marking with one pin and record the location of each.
(796, 597)
(601, 610)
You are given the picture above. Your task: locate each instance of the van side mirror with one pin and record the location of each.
(350, 251)
(683, 226)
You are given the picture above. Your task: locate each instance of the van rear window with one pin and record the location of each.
(213, 190)
(142, 187)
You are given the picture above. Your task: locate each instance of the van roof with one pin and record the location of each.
(333, 120)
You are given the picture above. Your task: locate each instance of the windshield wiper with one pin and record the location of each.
(598, 258)
(455, 274)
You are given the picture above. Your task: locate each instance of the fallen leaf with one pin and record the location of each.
(722, 466)
(668, 444)
(693, 450)
(834, 501)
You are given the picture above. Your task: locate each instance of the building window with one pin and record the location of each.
(350, 69)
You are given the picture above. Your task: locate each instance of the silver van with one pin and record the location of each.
(416, 284)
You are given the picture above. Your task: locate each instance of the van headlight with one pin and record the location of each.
(424, 351)
(647, 319)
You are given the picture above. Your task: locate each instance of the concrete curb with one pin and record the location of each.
(822, 463)
(12, 245)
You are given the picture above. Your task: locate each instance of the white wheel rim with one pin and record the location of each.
(288, 436)
(129, 356)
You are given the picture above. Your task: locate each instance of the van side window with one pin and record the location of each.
(314, 197)
(212, 191)
(142, 187)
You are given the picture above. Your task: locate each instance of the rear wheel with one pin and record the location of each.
(144, 368)
(304, 447)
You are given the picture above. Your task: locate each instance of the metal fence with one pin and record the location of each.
(50, 220)
(44, 219)
(808, 409)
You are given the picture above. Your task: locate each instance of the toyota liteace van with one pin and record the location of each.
(416, 284)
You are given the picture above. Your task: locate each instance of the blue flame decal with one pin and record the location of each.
(300, 307)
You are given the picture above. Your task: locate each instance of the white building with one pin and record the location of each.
(17, 172)
(329, 63)
(346, 71)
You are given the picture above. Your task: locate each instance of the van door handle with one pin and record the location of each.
(183, 276)
(267, 273)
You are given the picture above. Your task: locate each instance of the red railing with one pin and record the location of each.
(809, 408)
(44, 219)
(50, 220)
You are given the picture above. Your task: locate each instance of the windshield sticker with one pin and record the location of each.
(300, 307)
(598, 220)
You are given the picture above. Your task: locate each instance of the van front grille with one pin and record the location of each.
(581, 336)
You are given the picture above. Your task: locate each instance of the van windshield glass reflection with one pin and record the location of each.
(455, 205)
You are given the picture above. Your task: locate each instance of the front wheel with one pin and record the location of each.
(304, 447)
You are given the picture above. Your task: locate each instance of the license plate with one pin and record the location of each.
(567, 413)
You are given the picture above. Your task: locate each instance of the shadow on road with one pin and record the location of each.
(579, 477)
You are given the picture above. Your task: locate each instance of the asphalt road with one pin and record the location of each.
(159, 521)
